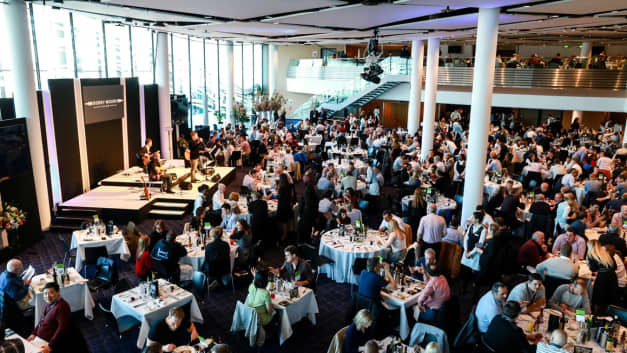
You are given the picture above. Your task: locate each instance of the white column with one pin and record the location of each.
(577, 114)
(25, 98)
(586, 52)
(229, 81)
(431, 86)
(481, 102)
(273, 64)
(162, 76)
(415, 85)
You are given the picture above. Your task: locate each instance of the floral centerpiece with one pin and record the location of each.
(239, 112)
(11, 217)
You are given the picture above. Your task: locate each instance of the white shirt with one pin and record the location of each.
(604, 163)
(249, 182)
(217, 200)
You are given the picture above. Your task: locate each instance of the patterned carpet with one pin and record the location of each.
(333, 300)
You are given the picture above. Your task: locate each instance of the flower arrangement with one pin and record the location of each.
(239, 109)
(262, 103)
(11, 217)
(277, 101)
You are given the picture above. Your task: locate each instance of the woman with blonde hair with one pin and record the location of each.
(396, 241)
(606, 283)
(356, 335)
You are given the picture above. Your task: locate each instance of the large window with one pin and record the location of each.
(54, 43)
(211, 59)
(118, 50)
(89, 46)
(258, 65)
(223, 57)
(248, 68)
(142, 40)
(198, 82)
(6, 77)
(238, 77)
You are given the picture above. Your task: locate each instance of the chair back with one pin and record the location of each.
(121, 286)
(359, 265)
(450, 259)
(199, 284)
(410, 257)
(337, 342)
(160, 268)
(92, 254)
(485, 347)
(355, 215)
(617, 311)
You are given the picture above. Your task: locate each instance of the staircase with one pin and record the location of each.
(172, 209)
(366, 95)
(70, 219)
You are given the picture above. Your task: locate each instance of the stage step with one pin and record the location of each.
(166, 213)
(168, 205)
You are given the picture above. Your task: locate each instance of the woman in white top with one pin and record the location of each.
(564, 208)
(396, 241)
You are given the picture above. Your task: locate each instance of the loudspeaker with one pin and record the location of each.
(215, 178)
(185, 185)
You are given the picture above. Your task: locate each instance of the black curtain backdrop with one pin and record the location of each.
(7, 108)
(66, 136)
(151, 112)
(133, 120)
(19, 191)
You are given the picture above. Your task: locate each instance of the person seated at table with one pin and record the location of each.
(221, 348)
(173, 331)
(244, 237)
(13, 285)
(143, 262)
(330, 172)
(418, 271)
(533, 251)
(250, 181)
(259, 297)
(357, 333)
(435, 294)
(327, 205)
(556, 345)
(572, 296)
(577, 242)
(387, 217)
(229, 219)
(559, 266)
(396, 242)
(170, 252)
(504, 336)
(490, 305)
(342, 218)
(154, 167)
(159, 232)
(54, 324)
(349, 181)
(217, 265)
(131, 236)
(325, 184)
(371, 347)
(371, 282)
(295, 269)
(530, 294)
(613, 237)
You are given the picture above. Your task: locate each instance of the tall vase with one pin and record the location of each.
(4, 239)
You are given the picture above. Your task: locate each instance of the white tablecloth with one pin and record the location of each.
(344, 153)
(115, 245)
(491, 188)
(148, 310)
(571, 329)
(28, 347)
(361, 186)
(343, 253)
(444, 204)
(196, 256)
(313, 139)
(76, 294)
(404, 299)
(305, 305)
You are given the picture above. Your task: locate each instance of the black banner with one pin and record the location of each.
(103, 103)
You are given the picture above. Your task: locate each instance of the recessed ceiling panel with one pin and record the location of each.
(460, 22)
(459, 4)
(575, 7)
(563, 22)
(257, 29)
(125, 12)
(353, 34)
(359, 16)
(238, 9)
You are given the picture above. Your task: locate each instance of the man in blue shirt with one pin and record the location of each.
(371, 283)
(229, 219)
(11, 282)
(490, 305)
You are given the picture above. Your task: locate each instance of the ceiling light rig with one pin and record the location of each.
(372, 70)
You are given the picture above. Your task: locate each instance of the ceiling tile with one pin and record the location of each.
(575, 7)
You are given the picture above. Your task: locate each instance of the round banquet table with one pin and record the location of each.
(354, 153)
(444, 204)
(360, 165)
(491, 188)
(344, 252)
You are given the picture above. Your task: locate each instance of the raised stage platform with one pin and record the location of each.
(120, 196)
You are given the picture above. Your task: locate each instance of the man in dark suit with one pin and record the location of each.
(258, 210)
(217, 264)
(504, 336)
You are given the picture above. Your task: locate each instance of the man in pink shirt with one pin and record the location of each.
(432, 298)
